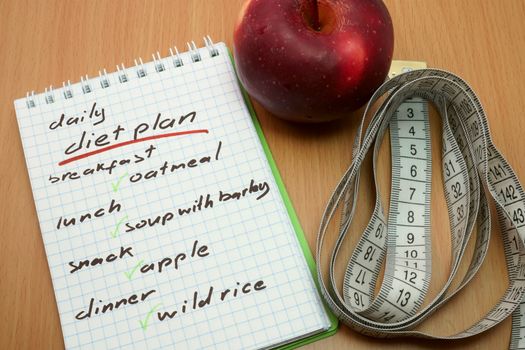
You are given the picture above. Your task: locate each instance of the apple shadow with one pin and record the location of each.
(335, 128)
(323, 128)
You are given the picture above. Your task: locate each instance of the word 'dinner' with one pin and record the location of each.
(161, 214)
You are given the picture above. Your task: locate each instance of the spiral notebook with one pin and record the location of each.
(164, 219)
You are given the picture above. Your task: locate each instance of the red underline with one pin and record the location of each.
(125, 143)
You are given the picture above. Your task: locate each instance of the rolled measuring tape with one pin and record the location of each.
(474, 173)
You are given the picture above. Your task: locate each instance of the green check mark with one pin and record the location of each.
(114, 233)
(116, 185)
(135, 268)
(144, 323)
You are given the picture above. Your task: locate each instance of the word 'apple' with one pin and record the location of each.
(313, 60)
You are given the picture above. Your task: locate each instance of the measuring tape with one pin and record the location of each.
(474, 172)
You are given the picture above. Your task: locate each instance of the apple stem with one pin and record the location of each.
(315, 15)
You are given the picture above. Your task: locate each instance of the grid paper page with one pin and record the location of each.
(162, 222)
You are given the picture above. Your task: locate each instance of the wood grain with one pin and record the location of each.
(47, 42)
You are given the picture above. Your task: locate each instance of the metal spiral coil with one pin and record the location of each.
(122, 73)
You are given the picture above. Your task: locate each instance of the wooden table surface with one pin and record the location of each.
(47, 42)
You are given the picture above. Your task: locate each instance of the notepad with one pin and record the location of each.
(164, 219)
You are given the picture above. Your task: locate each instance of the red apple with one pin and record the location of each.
(307, 60)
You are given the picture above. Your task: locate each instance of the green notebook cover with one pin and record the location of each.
(295, 222)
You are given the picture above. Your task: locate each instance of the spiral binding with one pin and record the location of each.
(123, 73)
